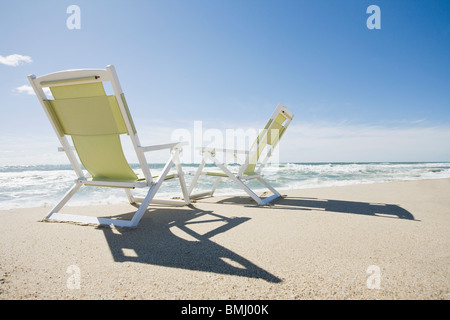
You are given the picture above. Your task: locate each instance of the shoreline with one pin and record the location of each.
(315, 243)
(40, 186)
(238, 192)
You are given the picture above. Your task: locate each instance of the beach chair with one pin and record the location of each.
(263, 146)
(96, 122)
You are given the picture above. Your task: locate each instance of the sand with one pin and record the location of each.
(372, 241)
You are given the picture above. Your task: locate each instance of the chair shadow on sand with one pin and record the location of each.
(329, 205)
(181, 239)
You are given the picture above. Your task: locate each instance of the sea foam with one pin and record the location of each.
(44, 185)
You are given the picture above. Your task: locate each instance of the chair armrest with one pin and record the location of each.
(176, 145)
(212, 150)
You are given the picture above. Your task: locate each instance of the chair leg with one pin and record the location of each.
(253, 195)
(194, 183)
(130, 197)
(268, 186)
(238, 181)
(181, 178)
(150, 195)
(180, 175)
(54, 215)
(196, 177)
(144, 205)
(64, 200)
(215, 185)
(233, 177)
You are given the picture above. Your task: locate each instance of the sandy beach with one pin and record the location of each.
(371, 241)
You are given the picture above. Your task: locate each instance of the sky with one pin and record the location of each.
(358, 94)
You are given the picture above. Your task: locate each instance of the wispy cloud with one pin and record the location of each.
(303, 142)
(326, 142)
(14, 60)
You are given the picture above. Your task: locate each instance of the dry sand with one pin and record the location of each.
(326, 243)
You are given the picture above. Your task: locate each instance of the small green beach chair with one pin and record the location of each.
(95, 121)
(251, 168)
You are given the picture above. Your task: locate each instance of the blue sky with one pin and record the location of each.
(357, 94)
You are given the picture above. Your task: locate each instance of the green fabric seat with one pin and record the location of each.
(95, 123)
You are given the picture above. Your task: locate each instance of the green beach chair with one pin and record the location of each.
(251, 168)
(95, 121)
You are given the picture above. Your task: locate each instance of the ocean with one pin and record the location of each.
(43, 185)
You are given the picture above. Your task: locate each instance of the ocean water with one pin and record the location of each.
(44, 185)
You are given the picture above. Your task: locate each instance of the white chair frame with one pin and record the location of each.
(99, 75)
(209, 154)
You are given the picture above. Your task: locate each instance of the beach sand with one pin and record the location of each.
(371, 241)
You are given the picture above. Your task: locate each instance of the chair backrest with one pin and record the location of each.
(81, 109)
(267, 140)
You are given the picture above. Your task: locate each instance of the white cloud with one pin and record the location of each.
(14, 60)
(27, 89)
